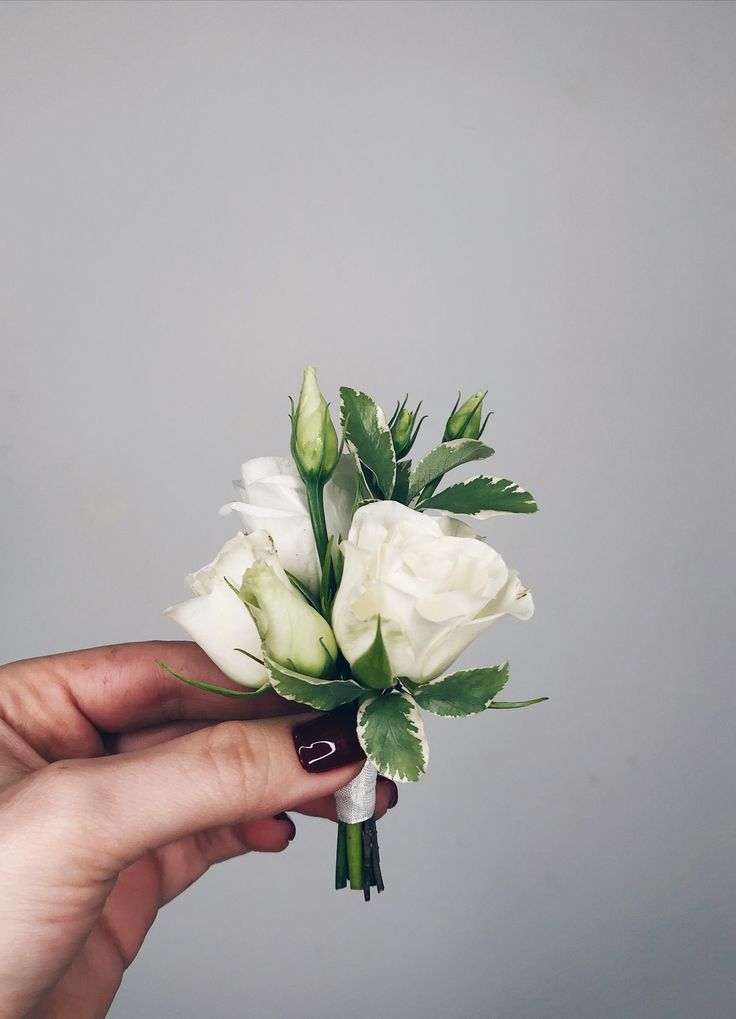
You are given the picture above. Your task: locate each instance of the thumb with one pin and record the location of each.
(122, 806)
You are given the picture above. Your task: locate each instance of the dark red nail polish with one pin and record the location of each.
(393, 792)
(283, 816)
(328, 742)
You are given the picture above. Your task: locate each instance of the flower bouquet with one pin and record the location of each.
(354, 587)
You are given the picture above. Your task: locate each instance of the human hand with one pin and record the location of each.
(117, 792)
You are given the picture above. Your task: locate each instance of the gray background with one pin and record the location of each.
(197, 199)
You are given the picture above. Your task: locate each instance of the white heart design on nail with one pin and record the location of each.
(320, 742)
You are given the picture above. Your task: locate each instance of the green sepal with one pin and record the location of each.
(338, 562)
(518, 704)
(460, 693)
(211, 688)
(302, 589)
(391, 733)
(327, 585)
(369, 436)
(332, 567)
(322, 694)
(401, 487)
(444, 458)
(482, 497)
(373, 668)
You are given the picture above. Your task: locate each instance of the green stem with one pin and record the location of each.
(354, 840)
(341, 857)
(317, 513)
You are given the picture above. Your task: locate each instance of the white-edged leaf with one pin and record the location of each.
(482, 497)
(367, 431)
(322, 694)
(391, 733)
(401, 488)
(461, 693)
(444, 458)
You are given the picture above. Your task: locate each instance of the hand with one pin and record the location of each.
(116, 793)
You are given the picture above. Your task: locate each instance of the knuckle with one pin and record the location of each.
(79, 814)
(68, 797)
(63, 788)
(237, 753)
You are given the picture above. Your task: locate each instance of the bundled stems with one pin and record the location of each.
(358, 860)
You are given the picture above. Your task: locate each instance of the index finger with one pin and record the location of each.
(122, 687)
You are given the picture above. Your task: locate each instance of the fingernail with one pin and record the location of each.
(283, 816)
(328, 742)
(393, 792)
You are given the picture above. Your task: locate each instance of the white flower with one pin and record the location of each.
(216, 618)
(434, 586)
(273, 498)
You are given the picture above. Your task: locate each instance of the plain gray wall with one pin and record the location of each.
(537, 198)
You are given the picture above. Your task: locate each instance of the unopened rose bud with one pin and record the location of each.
(293, 634)
(403, 429)
(314, 439)
(465, 421)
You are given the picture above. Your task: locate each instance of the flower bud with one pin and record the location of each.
(314, 442)
(464, 421)
(292, 633)
(403, 430)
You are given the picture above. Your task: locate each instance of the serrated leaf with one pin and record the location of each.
(482, 497)
(391, 733)
(212, 688)
(518, 704)
(367, 431)
(373, 668)
(444, 458)
(401, 487)
(461, 693)
(322, 694)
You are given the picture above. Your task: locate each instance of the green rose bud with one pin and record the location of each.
(403, 428)
(292, 633)
(464, 421)
(314, 442)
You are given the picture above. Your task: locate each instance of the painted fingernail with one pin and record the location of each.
(393, 792)
(283, 816)
(328, 742)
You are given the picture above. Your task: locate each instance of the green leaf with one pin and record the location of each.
(517, 704)
(401, 488)
(211, 688)
(373, 668)
(444, 458)
(322, 694)
(390, 731)
(367, 431)
(482, 497)
(461, 693)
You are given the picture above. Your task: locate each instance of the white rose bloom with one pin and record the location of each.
(216, 618)
(273, 498)
(435, 587)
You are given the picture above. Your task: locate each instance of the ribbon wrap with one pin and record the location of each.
(356, 801)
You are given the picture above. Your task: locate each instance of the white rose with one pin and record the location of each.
(274, 499)
(216, 618)
(434, 587)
